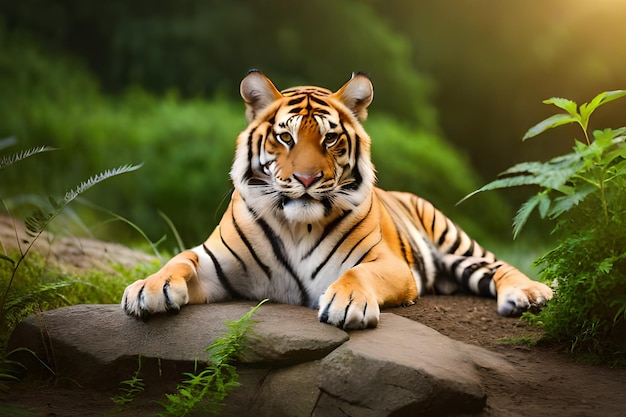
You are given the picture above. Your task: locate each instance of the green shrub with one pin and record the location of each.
(583, 191)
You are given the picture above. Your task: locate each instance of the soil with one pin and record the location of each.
(549, 381)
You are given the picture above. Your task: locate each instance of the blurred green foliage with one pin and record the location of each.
(482, 63)
(186, 146)
(493, 60)
(201, 47)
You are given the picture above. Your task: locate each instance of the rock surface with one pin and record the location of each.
(293, 365)
(70, 253)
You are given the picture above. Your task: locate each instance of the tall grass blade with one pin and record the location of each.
(170, 224)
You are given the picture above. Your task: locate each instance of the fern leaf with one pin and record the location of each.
(549, 123)
(567, 202)
(526, 209)
(507, 182)
(533, 167)
(6, 161)
(37, 222)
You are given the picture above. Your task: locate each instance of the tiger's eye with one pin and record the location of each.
(330, 139)
(286, 138)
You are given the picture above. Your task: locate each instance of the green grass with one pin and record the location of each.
(40, 286)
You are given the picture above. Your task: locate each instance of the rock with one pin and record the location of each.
(71, 253)
(286, 334)
(292, 366)
(89, 341)
(416, 370)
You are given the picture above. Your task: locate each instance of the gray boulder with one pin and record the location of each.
(292, 365)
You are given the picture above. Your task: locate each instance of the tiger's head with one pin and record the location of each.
(304, 156)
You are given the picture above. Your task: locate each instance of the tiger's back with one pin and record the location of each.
(306, 224)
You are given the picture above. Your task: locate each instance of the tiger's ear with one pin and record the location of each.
(357, 94)
(257, 92)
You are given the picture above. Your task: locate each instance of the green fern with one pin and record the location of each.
(207, 390)
(40, 219)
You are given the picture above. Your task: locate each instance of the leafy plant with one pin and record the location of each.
(567, 180)
(583, 191)
(207, 389)
(130, 388)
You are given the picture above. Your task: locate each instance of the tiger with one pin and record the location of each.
(306, 224)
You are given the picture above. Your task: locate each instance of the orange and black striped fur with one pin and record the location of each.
(307, 226)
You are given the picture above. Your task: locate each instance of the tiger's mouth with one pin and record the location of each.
(303, 199)
(305, 207)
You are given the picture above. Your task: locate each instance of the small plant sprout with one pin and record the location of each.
(130, 388)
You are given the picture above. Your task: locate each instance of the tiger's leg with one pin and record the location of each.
(354, 300)
(191, 277)
(173, 286)
(515, 292)
(463, 262)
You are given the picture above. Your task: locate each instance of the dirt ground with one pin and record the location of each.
(549, 382)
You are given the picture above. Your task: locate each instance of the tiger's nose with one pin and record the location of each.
(306, 179)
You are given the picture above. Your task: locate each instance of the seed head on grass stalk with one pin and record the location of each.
(39, 220)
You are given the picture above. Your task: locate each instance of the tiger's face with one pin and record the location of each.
(304, 156)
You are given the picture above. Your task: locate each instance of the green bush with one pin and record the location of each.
(589, 265)
(584, 191)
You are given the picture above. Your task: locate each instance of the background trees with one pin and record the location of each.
(157, 81)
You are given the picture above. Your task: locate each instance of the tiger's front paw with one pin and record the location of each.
(517, 298)
(158, 293)
(348, 308)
